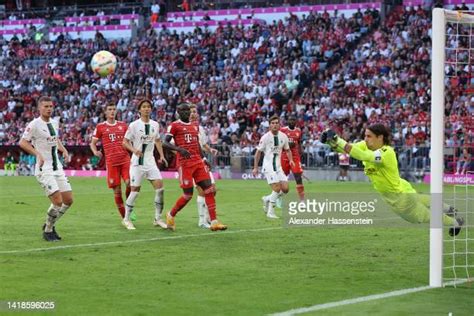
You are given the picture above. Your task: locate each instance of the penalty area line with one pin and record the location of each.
(121, 242)
(362, 299)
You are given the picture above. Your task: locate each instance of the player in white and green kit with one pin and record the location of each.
(41, 139)
(381, 166)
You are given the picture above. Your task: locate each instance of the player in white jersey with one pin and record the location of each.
(40, 139)
(271, 145)
(141, 138)
(204, 220)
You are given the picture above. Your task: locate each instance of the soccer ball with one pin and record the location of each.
(103, 63)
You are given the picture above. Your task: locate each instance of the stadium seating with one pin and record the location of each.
(331, 70)
(121, 19)
(268, 14)
(110, 32)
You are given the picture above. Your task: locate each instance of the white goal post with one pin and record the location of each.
(441, 18)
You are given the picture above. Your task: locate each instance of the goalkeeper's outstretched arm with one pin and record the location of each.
(338, 144)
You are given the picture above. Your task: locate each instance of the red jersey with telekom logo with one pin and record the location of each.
(111, 136)
(294, 137)
(186, 135)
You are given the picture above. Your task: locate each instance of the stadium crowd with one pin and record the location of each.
(331, 70)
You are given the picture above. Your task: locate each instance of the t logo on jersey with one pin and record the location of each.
(188, 138)
(112, 137)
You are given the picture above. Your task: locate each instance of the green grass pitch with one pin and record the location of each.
(257, 267)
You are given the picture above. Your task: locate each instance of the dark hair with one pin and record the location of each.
(109, 104)
(380, 129)
(274, 117)
(144, 101)
(44, 99)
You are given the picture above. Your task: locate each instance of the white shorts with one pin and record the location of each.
(52, 181)
(275, 177)
(138, 173)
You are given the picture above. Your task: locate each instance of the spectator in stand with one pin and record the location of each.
(464, 162)
(10, 164)
(233, 84)
(155, 12)
(185, 6)
(343, 167)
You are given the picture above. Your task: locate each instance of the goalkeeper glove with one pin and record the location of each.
(327, 136)
(330, 137)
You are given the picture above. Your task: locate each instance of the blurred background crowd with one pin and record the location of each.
(329, 69)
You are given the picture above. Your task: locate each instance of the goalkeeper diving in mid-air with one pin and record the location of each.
(381, 166)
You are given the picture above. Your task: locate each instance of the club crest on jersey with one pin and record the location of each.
(52, 139)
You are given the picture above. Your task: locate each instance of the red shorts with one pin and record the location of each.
(285, 165)
(114, 173)
(198, 172)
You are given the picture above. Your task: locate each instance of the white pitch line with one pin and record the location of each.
(362, 299)
(110, 243)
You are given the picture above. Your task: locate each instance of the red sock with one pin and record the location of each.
(127, 191)
(119, 203)
(180, 203)
(300, 189)
(211, 205)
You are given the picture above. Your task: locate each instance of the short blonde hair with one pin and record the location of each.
(44, 99)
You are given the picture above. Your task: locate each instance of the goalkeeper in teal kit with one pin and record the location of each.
(381, 166)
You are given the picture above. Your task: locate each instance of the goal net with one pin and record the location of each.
(451, 258)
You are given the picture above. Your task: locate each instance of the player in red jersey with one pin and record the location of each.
(294, 137)
(191, 166)
(117, 159)
(203, 213)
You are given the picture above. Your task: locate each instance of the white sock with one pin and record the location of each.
(62, 211)
(202, 209)
(129, 204)
(273, 196)
(158, 202)
(51, 217)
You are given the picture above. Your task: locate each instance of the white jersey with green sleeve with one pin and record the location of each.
(381, 166)
(44, 138)
(272, 145)
(143, 136)
(202, 137)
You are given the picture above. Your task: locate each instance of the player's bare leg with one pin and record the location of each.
(129, 204)
(60, 203)
(128, 189)
(52, 215)
(299, 185)
(203, 212)
(118, 200)
(180, 203)
(278, 189)
(159, 200)
(209, 195)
